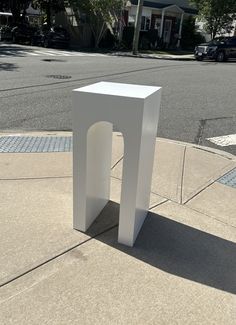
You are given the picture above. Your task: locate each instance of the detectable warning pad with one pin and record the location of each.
(229, 179)
(27, 144)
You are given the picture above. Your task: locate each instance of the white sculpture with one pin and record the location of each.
(134, 110)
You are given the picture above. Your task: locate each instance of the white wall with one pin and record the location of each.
(145, 12)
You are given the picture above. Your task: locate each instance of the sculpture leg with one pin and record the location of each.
(136, 185)
(91, 172)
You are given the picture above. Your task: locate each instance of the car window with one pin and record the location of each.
(218, 40)
(231, 41)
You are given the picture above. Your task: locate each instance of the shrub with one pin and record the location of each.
(190, 38)
(128, 35)
(108, 41)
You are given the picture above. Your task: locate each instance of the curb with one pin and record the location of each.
(203, 148)
(69, 133)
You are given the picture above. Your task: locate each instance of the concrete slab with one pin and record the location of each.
(218, 201)
(36, 223)
(167, 169)
(195, 219)
(116, 191)
(181, 269)
(201, 168)
(37, 165)
(173, 269)
(117, 148)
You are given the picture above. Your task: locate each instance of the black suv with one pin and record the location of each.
(23, 33)
(55, 36)
(219, 49)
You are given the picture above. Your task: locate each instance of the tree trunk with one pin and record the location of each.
(48, 13)
(137, 26)
(15, 10)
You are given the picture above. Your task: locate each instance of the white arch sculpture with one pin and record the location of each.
(134, 110)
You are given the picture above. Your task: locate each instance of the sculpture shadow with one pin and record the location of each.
(175, 248)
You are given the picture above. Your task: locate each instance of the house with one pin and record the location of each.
(5, 18)
(33, 16)
(164, 16)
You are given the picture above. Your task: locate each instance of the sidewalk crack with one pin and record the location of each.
(182, 176)
(158, 204)
(117, 163)
(55, 257)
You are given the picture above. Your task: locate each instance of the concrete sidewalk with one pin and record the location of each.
(182, 268)
(163, 56)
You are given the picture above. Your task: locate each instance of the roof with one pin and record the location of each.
(159, 5)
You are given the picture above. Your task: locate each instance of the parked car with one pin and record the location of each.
(23, 33)
(55, 36)
(219, 49)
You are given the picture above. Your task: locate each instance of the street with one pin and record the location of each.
(198, 98)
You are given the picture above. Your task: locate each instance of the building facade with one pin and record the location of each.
(165, 17)
(33, 16)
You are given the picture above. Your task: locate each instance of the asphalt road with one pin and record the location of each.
(198, 98)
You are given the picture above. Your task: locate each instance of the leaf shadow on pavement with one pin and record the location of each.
(175, 248)
(14, 50)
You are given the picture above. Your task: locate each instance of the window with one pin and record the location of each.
(145, 23)
(157, 25)
(232, 41)
(131, 20)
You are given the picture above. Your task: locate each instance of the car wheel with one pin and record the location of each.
(220, 57)
(199, 58)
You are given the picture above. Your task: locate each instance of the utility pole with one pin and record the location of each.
(137, 26)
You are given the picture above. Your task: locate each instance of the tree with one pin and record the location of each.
(101, 14)
(17, 8)
(218, 14)
(49, 6)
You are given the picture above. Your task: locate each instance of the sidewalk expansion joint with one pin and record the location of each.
(211, 217)
(164, 197)
(198, 192)
(56, 256)
(157, 205)
(182, 176)
(117, 163)
(34, 178)
(207, 184)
